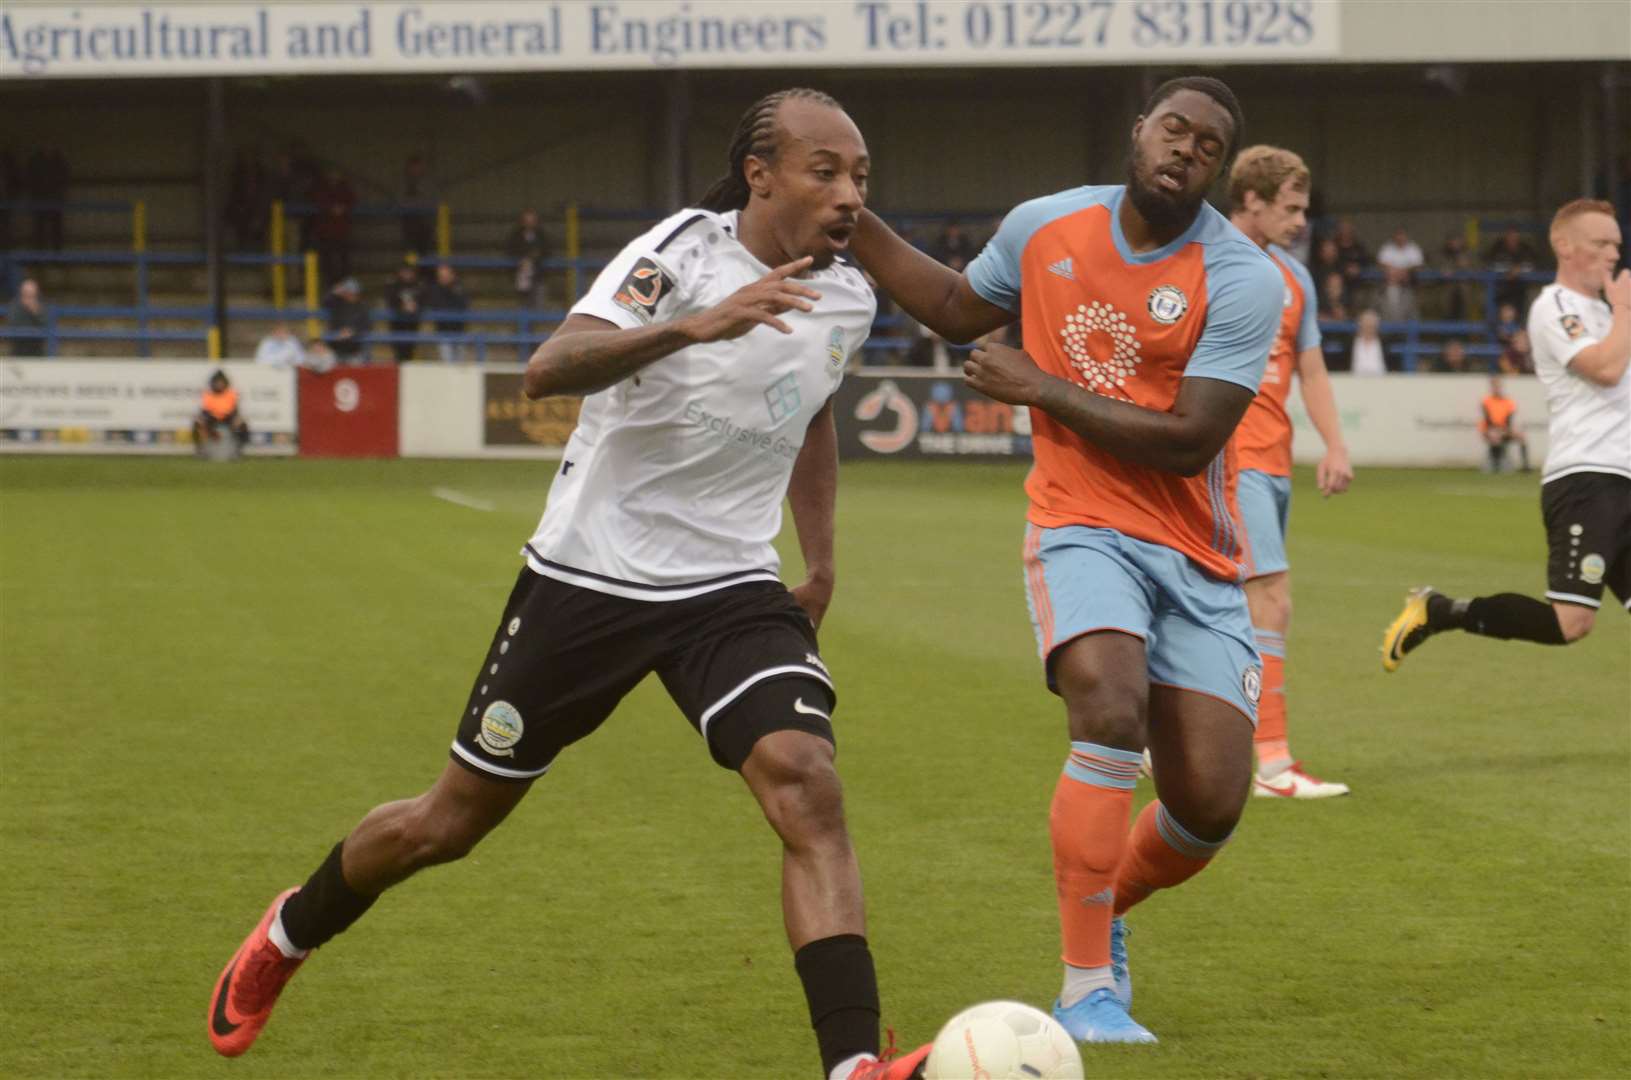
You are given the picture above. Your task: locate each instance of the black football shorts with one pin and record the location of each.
(1588, 537)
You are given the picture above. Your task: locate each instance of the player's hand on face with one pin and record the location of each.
(814, 597)
(1007, 374)
(757, 304)
(1334, 474)
(1619, 290)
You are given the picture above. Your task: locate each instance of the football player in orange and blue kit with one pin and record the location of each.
(1268, 196)
(1147, 320)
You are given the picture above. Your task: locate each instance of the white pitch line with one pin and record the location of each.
(460, 499)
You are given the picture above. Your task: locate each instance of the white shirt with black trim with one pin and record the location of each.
(672, 484)
(1590, 425)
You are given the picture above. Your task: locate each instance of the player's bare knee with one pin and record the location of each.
(1575, 620)
(798, 788)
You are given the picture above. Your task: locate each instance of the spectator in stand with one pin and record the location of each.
(1498, 424)
(418, 200)
(1334, 297)
(1451, 360)
(27, 312)
(1352, 256)
(1515, 358)
(46, 179)
(280, 348)
(1462, 299)
(1369, 357)
(403, 299)
(1511, 254)
(1506, 323)
(348, 321)
(1327, 259)
(249, 201)
(332, 230)
(1396, 302)
(1400, 252)
(319, 357)
(954, 244)
(443, 297)
(527, 246)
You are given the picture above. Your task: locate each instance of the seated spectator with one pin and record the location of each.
(319, 357)
(332, 230)
(1400, 252)
(218, 408)
(954, 244)
(1462, 299)
(443, 297)
(527, 246)
(1334, 297)
(348, 321)
(1352, 256)
(1327, 259)
(1513, 255)
(1515, 358)
(280, 348)
(1498, 424)
(402, 298)
(1369, 357)
(1451, 360)
(27, 312)
(1396, 302)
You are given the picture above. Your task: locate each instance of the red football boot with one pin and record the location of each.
(249, 987)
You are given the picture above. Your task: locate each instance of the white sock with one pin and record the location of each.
(1080, 982)
(844, 1068)
(280, 938)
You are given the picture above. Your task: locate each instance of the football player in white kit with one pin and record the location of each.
(708, 352)
(1580, 329)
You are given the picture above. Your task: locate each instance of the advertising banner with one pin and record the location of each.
(349, 412)
(135, 406)
(919, 416)
(510, 421)
(114, 40)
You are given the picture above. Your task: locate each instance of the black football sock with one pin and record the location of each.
(324, 906)
(841, 987)
(1508, 616)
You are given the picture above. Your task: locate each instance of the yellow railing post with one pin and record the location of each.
(313, 327)
(574, 248)
(444, 230)
(213, 337)
(1470, 231)
(274, 247)
(138, 226)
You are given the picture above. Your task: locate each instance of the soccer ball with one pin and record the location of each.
(1003, 1040)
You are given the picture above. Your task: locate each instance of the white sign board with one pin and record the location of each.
(116, 40)
(135, 406)
(1418, 420)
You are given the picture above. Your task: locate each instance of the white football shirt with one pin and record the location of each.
(1589, 429)
(672, 483)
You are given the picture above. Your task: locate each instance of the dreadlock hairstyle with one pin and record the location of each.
(1217, 90)
(755, 136)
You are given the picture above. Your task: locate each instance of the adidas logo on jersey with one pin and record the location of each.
(1062, 268)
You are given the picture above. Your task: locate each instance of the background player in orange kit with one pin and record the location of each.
(1268, 196)
(1147, 322)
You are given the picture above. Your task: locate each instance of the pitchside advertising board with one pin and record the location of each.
(119, 40)
(922, 416)
(134, 406)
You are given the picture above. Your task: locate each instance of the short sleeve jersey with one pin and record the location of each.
(1589, 429)
(1133, 326)
(1263, 439)
(672, 483)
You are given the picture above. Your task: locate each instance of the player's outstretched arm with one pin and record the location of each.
(926, 289)
(812, 492)
(1334, 473)
(1605, 362)
(586, 353)
(1182, 440)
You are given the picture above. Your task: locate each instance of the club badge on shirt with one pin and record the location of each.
(1573, 327)
(643, 289)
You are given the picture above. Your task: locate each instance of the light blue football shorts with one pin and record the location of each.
(1265, 507)
(1196, 630)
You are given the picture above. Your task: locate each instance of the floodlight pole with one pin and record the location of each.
(674, 170)
(215, 164)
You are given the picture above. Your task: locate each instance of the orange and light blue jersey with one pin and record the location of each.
(1132, 326)
(1263, 439)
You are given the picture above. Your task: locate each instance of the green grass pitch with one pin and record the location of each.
(210, 672)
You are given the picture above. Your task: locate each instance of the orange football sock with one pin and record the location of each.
(1161, 854)
(1273, 751)
(1088, 823)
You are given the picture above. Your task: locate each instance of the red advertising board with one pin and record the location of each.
(349, 412)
